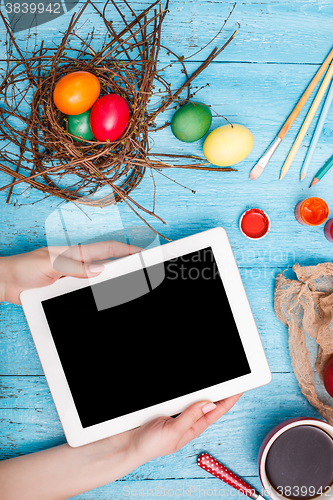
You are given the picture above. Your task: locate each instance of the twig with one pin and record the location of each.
(49, 158)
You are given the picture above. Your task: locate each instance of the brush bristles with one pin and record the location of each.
(255, 172)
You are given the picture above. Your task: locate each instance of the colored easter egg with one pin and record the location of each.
(228, 145)
(76, 92)
(191, 122)
(109, 117)
(79, 125)
(328, 377)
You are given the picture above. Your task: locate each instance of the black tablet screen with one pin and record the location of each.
(146, 337)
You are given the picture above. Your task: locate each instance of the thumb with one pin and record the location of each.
(197, 417)
(187, 419)
(64, 266)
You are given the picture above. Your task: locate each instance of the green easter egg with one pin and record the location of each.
(79, 125)
(191, 122)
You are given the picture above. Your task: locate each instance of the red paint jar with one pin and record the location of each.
(311, 212)
(328, 230)
(254, 223)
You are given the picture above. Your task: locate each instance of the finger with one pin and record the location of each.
(77, 260)
(222, 407)
(226, 404)
(211, 412)
(190, 416)
(75, 268)
(96, 251)
(206, 418)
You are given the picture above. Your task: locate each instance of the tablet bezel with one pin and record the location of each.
(215, 238)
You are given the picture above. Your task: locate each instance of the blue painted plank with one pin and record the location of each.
(270, 31)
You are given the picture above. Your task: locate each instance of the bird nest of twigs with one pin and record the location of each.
(39, 150)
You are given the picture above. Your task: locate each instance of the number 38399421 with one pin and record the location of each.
(32, 8)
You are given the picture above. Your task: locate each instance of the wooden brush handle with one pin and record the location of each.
(293, 115)
(211, 465)
(307, 121)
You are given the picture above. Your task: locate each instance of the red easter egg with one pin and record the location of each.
(328, 376)
(109, 117)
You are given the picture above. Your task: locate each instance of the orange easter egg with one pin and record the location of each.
(76, 92)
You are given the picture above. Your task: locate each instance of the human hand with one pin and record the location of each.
(62, 472)
(166, 435)
(46, 265)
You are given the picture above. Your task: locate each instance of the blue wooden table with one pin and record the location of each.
(256, 82)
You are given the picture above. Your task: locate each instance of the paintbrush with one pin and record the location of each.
(307, 121)
(259, 167)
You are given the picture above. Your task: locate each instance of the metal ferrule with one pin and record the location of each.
(269, 153)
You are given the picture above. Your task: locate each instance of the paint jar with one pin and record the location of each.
(254, 223)
(328, 230)
(295, 460)
(311, 212)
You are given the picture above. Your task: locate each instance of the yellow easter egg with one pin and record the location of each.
(228, 145)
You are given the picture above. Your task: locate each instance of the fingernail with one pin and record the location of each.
(208, 407)
(96, 268)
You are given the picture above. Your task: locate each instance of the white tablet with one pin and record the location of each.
(153, 333)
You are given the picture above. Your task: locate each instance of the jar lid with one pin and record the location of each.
(254, 223)
(314, 211)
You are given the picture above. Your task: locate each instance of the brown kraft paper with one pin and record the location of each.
(305, 307)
